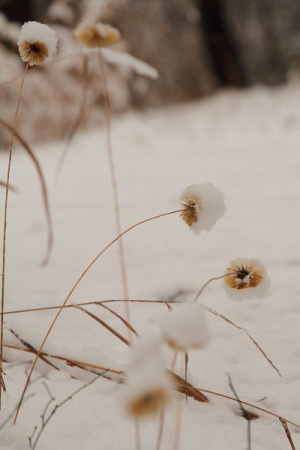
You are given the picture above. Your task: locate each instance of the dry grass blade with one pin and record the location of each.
(73, 289)
(32, 349)
(97, 302)
(212, 311)
(188, 389)
(104, 324)
(43, 188)
(287, 432)
(79, 118)
(10, 187)
(249, 404)
(128, 325)
(71, 362)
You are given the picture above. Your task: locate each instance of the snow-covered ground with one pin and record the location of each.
(244, 143)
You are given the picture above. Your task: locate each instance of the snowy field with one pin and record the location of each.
(244, 143)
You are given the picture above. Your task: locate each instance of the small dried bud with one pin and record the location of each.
(99, 35)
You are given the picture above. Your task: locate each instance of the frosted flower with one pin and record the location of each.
(37, 43)
(248, 279)
(203, 205)
(185, 327)
(148, 388)
(99, 35)
(147, 396)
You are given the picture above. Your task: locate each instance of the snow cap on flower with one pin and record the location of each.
(246, 279)
(203, 205)
(37, 43)
(185, 327)
(99, 35)
(148, 388)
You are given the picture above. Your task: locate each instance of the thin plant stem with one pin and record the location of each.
(208, 282)
(5, 223)
(161, 428)
(115, 193)
(173, 363)
(71, 292)
(178, 417)
(137, 433)
(186, 361)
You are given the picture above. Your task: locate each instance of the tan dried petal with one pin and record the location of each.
(148, 403)
(191, 205)
(33, 52)
(100, 35)
(244, 276)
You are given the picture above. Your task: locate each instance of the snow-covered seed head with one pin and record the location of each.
(185, 327)
(203, 205)
(148, 402)
(37, 43)
(99, 35)
(148, 388)
(247, 278)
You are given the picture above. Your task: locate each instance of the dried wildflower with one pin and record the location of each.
(203, 205)
(151, 400)
(99, 35)
(185, 327)
(37, 43)
(148, 388)
(247, 278)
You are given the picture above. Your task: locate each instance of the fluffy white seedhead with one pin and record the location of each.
(203, 205)
(99, 35)
(247, 279)
(185, 327)
(37, 43)
(148, 387)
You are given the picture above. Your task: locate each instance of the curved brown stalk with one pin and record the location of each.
(115, 192)
(43, 188)
(12, 138)
(71, 292)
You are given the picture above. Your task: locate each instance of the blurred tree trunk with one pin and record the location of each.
(24, 10)
(262, 33)
(198, 45)
(166, 34)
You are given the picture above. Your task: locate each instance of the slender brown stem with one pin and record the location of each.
(173, 363)
(47, 308)
(178, 417)
(71, 292)
(160, 429)
(5, 222)
(208, 282)
(138, 444)
(115, 193)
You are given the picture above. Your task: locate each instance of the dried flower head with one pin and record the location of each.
(203, 205)
(99, 35)
(150, 401)
(247, 278)
(37, 43)
(148, 388)
(185, 327)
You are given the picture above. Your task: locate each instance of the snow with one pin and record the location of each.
(247, 144)
(185, 327)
